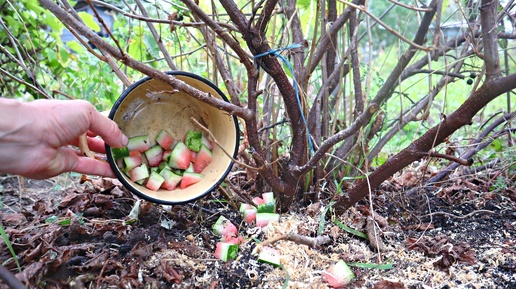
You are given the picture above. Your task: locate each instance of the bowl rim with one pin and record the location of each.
(130, 187)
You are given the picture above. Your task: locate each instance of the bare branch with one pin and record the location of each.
(391, 30)
(156, 36)
(152, 72)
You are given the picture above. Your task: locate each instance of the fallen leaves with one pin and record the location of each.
(441, 246)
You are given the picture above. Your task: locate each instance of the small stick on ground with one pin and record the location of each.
(312, 242)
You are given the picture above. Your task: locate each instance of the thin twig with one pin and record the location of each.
(411, 7)
(222, 148)
(458, 217)
(391, 30)
(448, 157)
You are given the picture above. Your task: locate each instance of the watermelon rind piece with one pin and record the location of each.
(223, 226)
(267, 208)
(154, 182)
(171, 179)
(226, 251)
(249, 215)
(268, 197)
(193, 140)
(139, 173)
(245, 206)
(140, 143)
(207, 143)
(132, 162)
(203, 159)
(190, 178)
(154, 155)
(270, 256)
(190, 169)
(164, 139)
(163, 165)
(269, 203)
(119, 153)
(338, 275)
(263, 219)
(179, 157)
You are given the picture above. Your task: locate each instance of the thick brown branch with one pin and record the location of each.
(433, 137)
(488, 15)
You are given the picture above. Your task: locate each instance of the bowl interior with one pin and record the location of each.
(151, 105)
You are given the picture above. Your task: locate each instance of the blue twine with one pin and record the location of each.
(276, 52)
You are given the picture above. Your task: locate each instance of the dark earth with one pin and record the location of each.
(73, 232)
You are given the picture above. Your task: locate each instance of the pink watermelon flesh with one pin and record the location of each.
(180, 157)
(263, 219)
(204, 158)
(166, 154)
(154, 182)
(164, 139)
(338, 275)
(193, 156)
(139, 173)
(171, 180)
(258, 201)
(189, 179)
(225, 251)
(224, 227)
(250, 215)
(154, 156)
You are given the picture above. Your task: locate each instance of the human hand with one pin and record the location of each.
(35, 138)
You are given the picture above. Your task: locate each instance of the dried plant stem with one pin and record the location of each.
(312, 242)
(222, 148)
(459, 217)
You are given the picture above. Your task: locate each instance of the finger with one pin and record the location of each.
(89, 166)
(97, 145)
(106, 128)
(94, 144)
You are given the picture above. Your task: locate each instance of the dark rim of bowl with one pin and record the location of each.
(112, 162)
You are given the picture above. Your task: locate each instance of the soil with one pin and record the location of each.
(69, 232)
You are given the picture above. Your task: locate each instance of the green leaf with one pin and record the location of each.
(50, 219)
(89, 21)
(386, 266)
(322, 221)
(350, 230)
(9, 246)
(75, 46)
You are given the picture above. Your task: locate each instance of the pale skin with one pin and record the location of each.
(38, 138)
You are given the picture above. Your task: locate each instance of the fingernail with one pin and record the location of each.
(125, 140)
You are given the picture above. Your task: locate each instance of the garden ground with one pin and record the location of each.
(73, 232)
